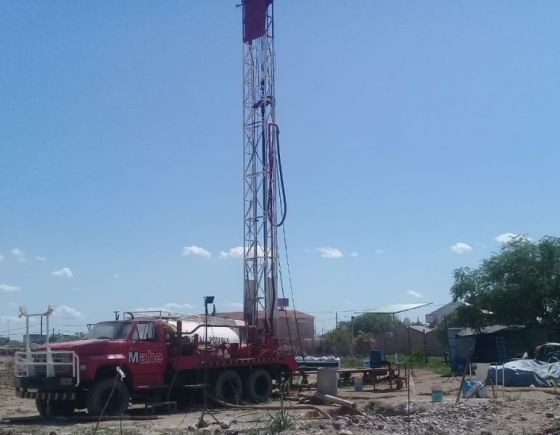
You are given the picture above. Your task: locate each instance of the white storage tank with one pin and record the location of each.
(216, 334)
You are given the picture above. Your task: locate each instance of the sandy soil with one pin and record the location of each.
(516, 411)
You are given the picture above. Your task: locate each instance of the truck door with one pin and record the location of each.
(147, 355)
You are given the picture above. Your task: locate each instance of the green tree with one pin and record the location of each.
(373, 323)
(363, 343)
(356, 335)
(520, 285)
(451, 320)
(339, 341)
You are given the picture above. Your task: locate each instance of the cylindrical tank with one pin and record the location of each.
(216, 334)
(327, 382)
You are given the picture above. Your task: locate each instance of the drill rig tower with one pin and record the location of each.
(260, 136)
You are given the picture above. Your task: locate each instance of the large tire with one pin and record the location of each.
(99, 394)
(258, 385)
(54, 408)
(228, 387)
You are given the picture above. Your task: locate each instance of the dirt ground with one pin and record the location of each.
(515, 411)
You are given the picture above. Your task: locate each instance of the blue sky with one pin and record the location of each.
(407, 127)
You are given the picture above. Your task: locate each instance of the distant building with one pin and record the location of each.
(437, 316)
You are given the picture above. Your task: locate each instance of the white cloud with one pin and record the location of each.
(5, 288)
(329, 252)
(508, 237)
(67, 311)
(380, 251)
(65, 272)
(461, 247)
(19, 254)
(236, 252)
(116, 275)
(39, 258)
(415, 294)
(354, 254)
(196, 250)
(1, 257)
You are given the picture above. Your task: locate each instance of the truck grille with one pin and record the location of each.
(65, 364)
(64, 369)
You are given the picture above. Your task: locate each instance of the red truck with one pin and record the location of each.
(151, 359)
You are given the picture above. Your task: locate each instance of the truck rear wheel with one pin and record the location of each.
(258, 385)
(54, 408)
(228, 387)
(99, 398)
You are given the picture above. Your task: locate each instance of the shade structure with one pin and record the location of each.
(397, 308)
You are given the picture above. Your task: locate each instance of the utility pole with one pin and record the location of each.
(336, 320)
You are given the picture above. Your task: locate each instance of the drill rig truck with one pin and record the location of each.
(151, 357)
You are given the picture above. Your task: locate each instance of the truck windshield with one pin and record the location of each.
(110, 330)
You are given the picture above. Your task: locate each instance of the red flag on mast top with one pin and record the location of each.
(254, 19)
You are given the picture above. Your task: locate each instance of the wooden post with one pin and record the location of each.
(409, 345)
(424, 342)
(463, 380)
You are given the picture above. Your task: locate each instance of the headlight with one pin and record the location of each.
(83, 367)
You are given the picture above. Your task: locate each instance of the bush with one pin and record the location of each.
(373, 408)
(418, 359)
(351, 362)
(281, 421)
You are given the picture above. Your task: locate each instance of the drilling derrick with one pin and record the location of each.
(260, 135)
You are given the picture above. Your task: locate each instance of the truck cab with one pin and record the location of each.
(83, 372)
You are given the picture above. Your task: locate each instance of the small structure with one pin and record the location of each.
(496, 343)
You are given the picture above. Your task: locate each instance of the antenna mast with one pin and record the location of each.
(259, 164)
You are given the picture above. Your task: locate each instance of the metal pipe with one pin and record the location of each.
(27, 343)
(50, 365)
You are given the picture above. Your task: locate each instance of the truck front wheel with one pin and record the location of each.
(107, 396)
(54, 408)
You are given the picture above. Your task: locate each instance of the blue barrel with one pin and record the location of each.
(375, 358)
(437, 394)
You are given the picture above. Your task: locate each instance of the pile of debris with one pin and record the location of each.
(483, 417)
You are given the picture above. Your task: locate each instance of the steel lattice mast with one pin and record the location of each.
(259, 164)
